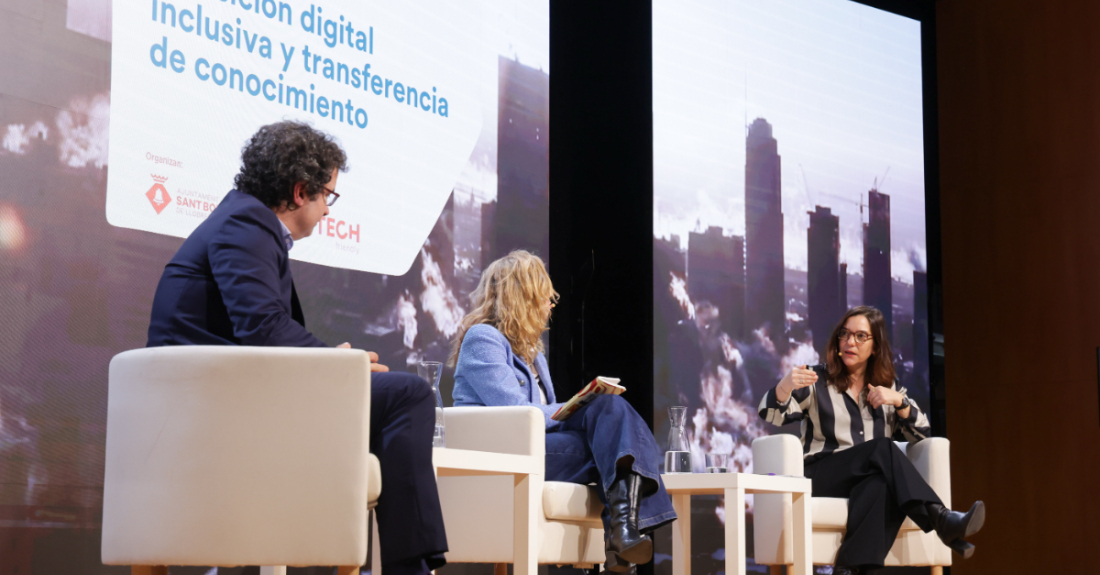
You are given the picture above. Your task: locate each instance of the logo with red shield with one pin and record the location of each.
(158, 194)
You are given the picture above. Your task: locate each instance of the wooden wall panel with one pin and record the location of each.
(1019, 110)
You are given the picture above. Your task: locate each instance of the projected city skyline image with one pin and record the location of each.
(788, 187)
(76, 290)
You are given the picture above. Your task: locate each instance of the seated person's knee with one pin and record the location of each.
(611, 402)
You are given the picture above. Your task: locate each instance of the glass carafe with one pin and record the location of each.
(431, 371)
(678, 456)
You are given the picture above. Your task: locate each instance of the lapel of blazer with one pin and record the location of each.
(544, 375)
(521, 366)
(296, 306)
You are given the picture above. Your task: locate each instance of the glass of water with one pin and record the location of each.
(717, 463)
(431, 372)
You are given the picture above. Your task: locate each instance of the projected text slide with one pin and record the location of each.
(396, 83)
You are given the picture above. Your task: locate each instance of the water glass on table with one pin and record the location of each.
(717, 463)
(431, 371)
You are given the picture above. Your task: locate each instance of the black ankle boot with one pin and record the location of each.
(953, 527)
(623, 500)
(616, 564)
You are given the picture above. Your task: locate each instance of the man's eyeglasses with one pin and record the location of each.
(862, 337)
(330, 196)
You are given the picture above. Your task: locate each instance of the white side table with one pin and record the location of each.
(681, 486)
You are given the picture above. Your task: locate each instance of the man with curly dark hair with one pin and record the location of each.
(281, 156)
(230, 284)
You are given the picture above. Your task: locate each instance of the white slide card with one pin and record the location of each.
(397, 83)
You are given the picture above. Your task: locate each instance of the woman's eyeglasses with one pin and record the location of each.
(862, 337)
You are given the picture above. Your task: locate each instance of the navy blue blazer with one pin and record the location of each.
(230, 283)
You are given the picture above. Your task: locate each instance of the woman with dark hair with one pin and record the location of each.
(851, 411)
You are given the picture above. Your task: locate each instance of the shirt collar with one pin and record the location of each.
(286, 236)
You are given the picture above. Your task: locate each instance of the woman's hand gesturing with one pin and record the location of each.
(797, 378)
(879, 396)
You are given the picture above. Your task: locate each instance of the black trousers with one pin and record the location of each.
(410, 520)
(882, 487)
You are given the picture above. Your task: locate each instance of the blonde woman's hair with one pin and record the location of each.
(510, 297)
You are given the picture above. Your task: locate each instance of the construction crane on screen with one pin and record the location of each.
(861, 203)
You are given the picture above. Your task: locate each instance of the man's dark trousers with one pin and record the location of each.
(402, 422)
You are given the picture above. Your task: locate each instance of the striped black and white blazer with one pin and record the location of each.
(833, 421)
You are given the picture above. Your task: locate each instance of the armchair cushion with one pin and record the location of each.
(831, 513)
(374, 480)
(571, 502)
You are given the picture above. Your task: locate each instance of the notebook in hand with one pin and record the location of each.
(599, 386)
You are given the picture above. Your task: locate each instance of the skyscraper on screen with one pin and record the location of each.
(843, 288)
(488, 233)
(716, 273)
(877, 285)
(823, 275)
(764, 300)
(521, 219)
(920, 322)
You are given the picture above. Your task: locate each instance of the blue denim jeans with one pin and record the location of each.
(587, 447)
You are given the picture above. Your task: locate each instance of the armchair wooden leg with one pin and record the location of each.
(148, 570)
(500, 569)
(775, 570)
(352, 570)
(526, 504)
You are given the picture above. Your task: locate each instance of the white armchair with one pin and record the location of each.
(228, 456)
(782, 455)
(477, 511)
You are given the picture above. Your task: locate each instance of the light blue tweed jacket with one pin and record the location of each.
(488, 373)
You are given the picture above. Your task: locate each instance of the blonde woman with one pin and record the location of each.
(500, 362)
